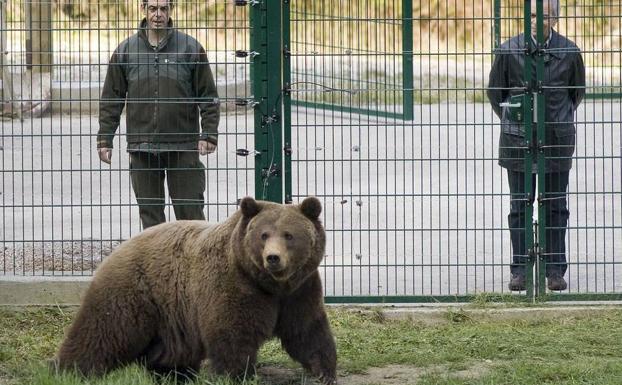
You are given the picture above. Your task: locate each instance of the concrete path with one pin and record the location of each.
(411, 208)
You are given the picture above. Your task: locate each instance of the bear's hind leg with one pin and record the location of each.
(163, 362)
(112, 328)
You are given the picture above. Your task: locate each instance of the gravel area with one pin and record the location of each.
(80, 257)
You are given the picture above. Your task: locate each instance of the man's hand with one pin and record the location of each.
(105, 154)
(206, 147)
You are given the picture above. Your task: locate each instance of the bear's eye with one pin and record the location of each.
(264, 236)
(288, 236)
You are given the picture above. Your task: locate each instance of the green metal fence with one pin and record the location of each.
(596, 41)
(377, 107)
(62, 209)
(369, 44)
(413, 208)
(417, 210)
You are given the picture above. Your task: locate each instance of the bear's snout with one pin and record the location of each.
(273, 259)
(275, 255)
(273, 263)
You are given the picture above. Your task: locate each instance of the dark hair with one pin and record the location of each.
(171, 3)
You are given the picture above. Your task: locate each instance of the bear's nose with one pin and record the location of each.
(273, 259)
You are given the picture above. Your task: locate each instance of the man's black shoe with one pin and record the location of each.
(517, 282)
(556, 282)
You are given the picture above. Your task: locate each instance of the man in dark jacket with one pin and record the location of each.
(563, 88)
(164, 78)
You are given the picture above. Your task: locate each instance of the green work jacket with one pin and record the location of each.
(165, 89)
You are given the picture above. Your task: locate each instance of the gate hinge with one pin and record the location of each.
(269, 119)
(531, 253)
(287, 150)
(272, 171)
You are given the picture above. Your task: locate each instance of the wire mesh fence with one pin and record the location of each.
(63, 210)
(390, 126)
(419, 208)
(415, 206)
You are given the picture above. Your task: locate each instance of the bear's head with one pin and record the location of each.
(282, 245)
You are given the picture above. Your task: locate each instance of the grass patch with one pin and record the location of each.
(571, 348)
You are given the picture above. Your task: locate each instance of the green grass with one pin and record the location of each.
(461, 347)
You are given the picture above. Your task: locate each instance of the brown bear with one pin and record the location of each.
(184, 291)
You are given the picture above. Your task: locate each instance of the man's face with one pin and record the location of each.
(157, 13)
(548, 22)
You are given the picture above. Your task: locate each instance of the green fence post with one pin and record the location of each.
(407, 58)
(266, 86)
(287, 103)
(528, 114)
(540, 109)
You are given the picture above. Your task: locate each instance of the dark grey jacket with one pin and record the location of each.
(164, 88)
(564, 87)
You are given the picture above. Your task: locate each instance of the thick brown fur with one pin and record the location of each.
(184, 291)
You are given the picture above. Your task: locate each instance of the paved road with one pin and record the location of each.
(411, 207)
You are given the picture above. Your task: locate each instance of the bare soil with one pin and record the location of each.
(389, 375)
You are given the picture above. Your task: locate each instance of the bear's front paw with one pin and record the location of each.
(327, 379)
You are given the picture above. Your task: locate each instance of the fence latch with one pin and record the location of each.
(244, 102)
(242, 3)
(241, 53)
(287, 150)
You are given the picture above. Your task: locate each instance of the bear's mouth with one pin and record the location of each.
(274, 268)
(278, 270)
(278, 274)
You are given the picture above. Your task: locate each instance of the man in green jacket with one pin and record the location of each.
(164, 78)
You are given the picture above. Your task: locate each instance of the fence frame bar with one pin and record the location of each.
(267, 85)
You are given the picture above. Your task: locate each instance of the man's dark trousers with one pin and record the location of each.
(185, 177)
(556, 218)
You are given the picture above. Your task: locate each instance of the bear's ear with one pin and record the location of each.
(311, 208)
(249, 207)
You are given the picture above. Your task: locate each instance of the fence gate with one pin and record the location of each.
(413, 199)
(387, 120)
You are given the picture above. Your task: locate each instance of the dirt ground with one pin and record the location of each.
(389, 375)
